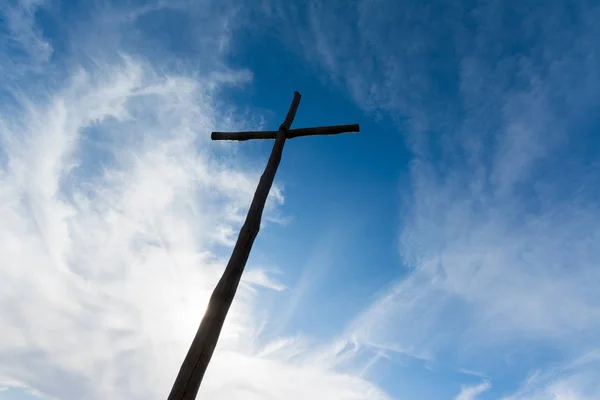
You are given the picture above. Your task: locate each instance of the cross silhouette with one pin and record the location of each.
(194, 366)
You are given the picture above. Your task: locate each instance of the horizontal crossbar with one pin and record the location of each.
(292, 133)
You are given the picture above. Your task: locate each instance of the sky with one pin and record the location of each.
(447, 251)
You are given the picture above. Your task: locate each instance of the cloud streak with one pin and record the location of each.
(500, 227)
(472, 392)
(115, 206)
(112, 205)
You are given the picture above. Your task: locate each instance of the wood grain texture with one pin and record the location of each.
(293, 133)
(194, 366)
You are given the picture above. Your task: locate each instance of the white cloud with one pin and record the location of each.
(490, 236)
(23, 34)
(112, 200)
(501, 220)
(100, 266)
(576, 380)
(472, 392)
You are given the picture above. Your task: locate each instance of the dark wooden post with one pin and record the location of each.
(194, 365)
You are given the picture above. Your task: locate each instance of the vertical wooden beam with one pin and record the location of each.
(194, 365)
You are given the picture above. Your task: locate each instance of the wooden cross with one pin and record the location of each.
(194, 365)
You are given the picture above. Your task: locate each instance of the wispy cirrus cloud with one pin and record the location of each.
(472, 392)
(500, 228)
(113, 203)
(572, 381)
(23, 48)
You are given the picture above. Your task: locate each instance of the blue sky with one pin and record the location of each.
(447, 251)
